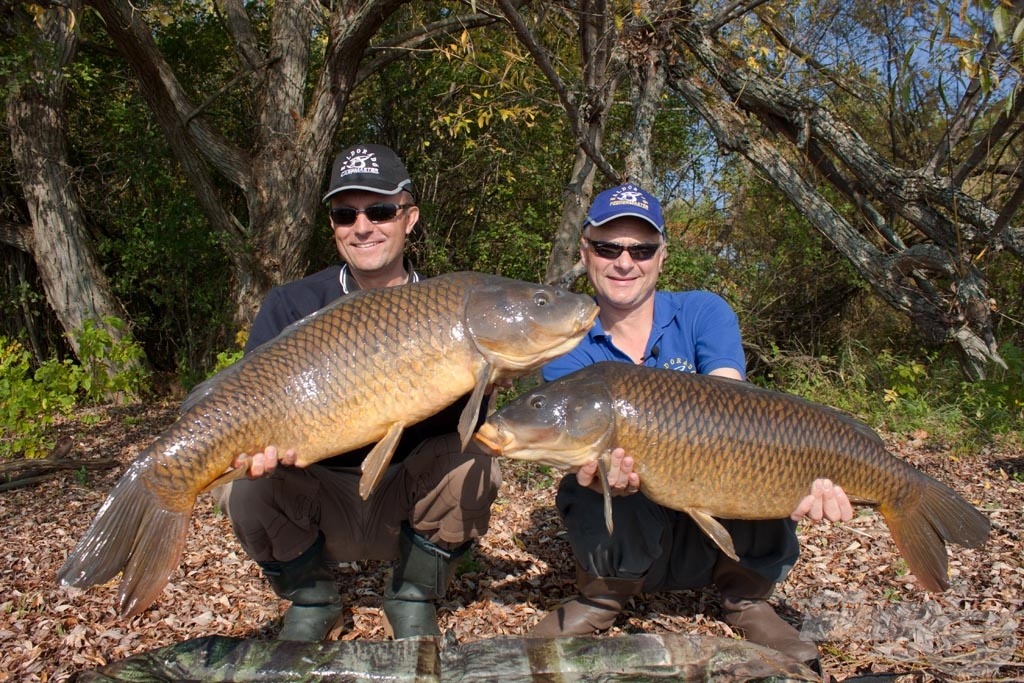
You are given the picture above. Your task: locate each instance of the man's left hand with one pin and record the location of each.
(263, 464)
(826, 501)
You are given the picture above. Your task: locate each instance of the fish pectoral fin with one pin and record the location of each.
(602, 469)
(378, 459)
(714, 529)
(471, 413)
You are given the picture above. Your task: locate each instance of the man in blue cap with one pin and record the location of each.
(654, 548)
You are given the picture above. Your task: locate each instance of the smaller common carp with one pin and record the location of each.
(715, 447)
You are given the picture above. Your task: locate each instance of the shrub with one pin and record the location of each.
(35, 398)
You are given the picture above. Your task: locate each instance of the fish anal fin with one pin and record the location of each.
(471, 413)
(378, 459)
(715, 531)
(602, 469)
(228, 476)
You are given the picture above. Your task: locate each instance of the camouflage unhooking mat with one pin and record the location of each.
(633, 658)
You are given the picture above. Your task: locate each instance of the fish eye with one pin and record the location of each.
(537, 402)
(542, 298)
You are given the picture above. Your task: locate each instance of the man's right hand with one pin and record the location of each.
(263, 464)
(622, 480)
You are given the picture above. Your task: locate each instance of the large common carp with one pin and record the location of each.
(356, 372)
(715, 447)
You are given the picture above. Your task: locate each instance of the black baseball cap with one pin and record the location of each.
(374, 168)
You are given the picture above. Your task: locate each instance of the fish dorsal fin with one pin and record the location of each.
(377, 460)
(714, 529)
(471, 413)
(602, 469)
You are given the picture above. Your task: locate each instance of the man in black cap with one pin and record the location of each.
(434, 499)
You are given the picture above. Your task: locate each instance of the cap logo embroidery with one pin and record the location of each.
(630, 195)
(359, 161)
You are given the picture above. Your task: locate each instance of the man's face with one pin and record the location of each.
(623, 281)
(367, 246)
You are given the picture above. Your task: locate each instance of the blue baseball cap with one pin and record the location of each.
(625, 200)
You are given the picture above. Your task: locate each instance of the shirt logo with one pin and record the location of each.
(359, 161)
(680, 364)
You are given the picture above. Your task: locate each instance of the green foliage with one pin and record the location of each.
(110, 367)
(35, 398)
(689, 269)
(32, 399)
(906, 394)
(997, 402)
(230, 356)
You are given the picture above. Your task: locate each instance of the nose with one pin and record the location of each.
(625, 261)
(362, 224)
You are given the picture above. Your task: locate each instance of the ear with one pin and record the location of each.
(412, 218)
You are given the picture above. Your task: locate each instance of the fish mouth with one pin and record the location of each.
(490, 437)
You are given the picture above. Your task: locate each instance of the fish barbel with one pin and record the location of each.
(356, 372)
(716, 447)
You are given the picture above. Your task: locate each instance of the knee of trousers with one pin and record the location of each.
(275, 515)
(451, 491)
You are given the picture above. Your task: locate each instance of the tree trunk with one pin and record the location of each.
(74, 284)
(934, 281)
(281, 177)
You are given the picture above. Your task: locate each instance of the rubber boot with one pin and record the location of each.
(309, 584)
(599, 603)
(420, 577)
(745, 607)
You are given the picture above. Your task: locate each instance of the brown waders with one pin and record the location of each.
(744, 595)
(745, 606)
(599, 603)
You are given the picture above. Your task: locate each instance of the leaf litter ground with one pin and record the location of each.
(850, 590)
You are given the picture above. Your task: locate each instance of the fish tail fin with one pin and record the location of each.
(921, 532)
(132, 533)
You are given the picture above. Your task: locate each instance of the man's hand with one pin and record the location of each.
(622, 480)
(263, 464)
(826, 501)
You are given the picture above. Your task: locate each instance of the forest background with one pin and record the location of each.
(846, 174)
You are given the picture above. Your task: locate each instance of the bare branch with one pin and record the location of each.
(565, 97)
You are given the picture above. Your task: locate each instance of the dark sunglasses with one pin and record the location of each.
(613, 250)
(375, 213)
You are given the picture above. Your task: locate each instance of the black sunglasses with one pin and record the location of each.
(376, 213)
(613, 250)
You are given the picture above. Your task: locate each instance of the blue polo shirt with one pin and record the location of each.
(693, 331)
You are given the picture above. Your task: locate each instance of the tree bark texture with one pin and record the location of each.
(281, 176)
(75, 285)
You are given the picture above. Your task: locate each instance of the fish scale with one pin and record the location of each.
(722, 448)
(357, 372)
